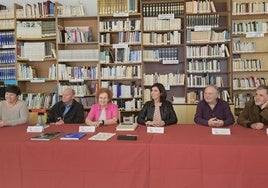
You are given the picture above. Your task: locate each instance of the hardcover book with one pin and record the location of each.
(46, 136)
(73, 136)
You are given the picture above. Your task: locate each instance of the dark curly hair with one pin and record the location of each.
(13, 89)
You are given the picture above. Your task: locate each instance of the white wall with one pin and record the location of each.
(89, 5)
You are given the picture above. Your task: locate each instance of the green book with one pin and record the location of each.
(46, 136)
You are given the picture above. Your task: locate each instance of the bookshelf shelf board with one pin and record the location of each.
(47, 18)
(250, 71)
(79, 80)
(36, 39)
(72, 17)
(252, 16)
(162, 45)
(7, 28)
(6, 18)
(163, 31)
(77, 60)
(171, 85)
(37, 80)
(78, 43)
(120, 64)
(249, 52)
(120, 79)
(245, 89)
(107, 16)
(47, 59)
(198, 43)
(208, 72)
(7, 47)
(7, 65)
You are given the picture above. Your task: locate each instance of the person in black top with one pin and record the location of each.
(68, 110)
(158, 111)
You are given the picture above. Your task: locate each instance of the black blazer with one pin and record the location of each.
(74, 115)
(167, 112)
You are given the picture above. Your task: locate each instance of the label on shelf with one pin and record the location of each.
(76, 80)
(254, 34)
(121, 14)
(38, 80)
(202, 28)
(123, 45)
(166, 61)
(165, 16)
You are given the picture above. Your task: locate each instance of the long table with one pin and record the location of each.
(184, 156)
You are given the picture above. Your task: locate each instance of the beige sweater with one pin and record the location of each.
(17, 115)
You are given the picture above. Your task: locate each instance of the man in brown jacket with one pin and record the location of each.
(255, 113)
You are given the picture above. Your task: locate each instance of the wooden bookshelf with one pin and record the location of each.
(77, 56)
(250, 52)
(120, 60)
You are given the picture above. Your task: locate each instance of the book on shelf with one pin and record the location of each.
(73, 136)
(126, 126)
(46, 136)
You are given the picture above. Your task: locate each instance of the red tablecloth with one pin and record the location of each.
(68, 164)
(190, 156)
(184, 156)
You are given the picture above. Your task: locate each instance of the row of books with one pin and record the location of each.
(169, 53)
(122, 90)
(201, 20)
(252, 26)
(240, 8)
(82, 54)
(133, 37)
(7, 24)
(118, 6)
(197, 95)
(7, 56)
(193, 7)
(249, 82)
(154, 38)
(120, 25)
(247, 64)
(68, 72)
(241, 99)
(169, 79)
(7, 38)
(154, 9)
(36, 29)
(39, 100)
(207, 36)
(36, 10)
(70, 10)
(204, 66)
(27, 72)
(240, 46)
(120, 55)
(7, 73)
(118, 72)
(6, 13)
(206, 51)
(35, 50)
(105, 38)
(87, 102)
(156, 24)
(79, 34)
(81, 89)
(204, 80)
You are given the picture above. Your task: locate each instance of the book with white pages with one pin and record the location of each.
(126, 127)
(102, 136)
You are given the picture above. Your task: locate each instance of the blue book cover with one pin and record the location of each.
(73, 136)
